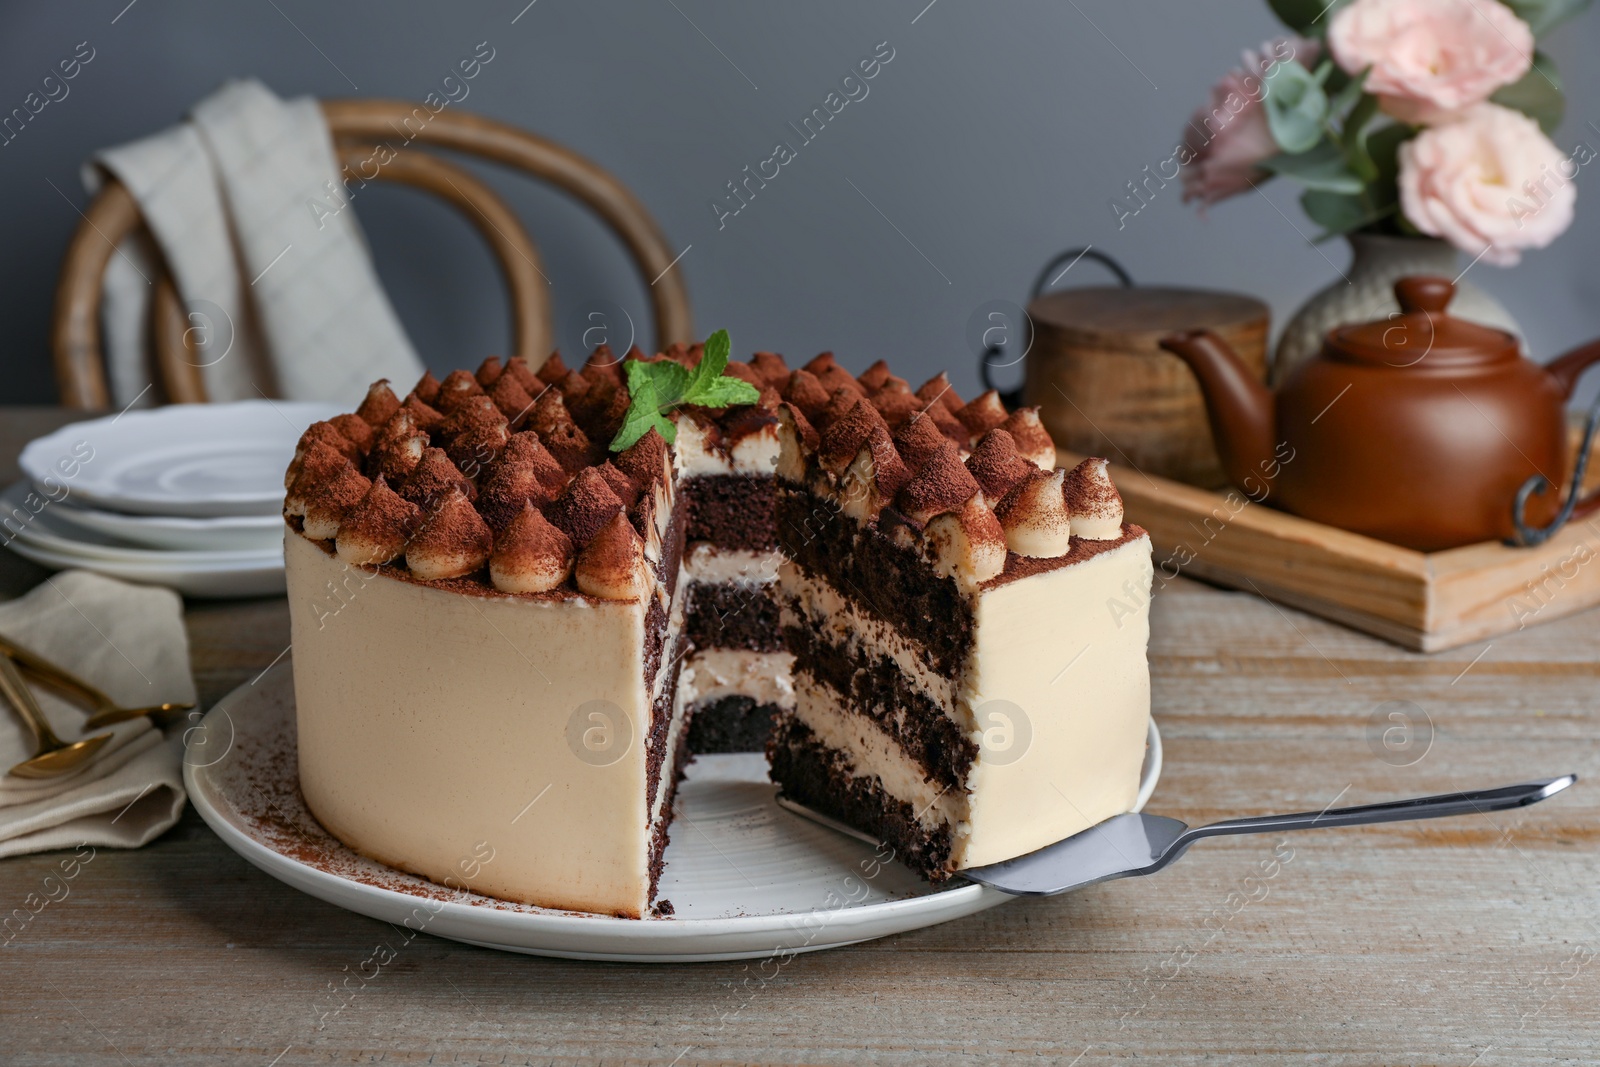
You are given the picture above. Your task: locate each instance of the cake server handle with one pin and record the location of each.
(1472, 801)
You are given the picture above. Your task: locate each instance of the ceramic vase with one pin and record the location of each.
(1366, 293)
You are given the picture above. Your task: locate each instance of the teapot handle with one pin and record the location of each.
(1575, 507)
(987, 360)
(1566, 370)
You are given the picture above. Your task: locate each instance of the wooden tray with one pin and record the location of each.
(1426, 601)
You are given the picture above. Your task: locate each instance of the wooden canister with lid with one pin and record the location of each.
(1105, 388)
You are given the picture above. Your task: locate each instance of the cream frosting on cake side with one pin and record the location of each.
(1053, 648)
(430, 720)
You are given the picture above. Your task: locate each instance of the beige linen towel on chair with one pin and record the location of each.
(280, 294)
(128, 641)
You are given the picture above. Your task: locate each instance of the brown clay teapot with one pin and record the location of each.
(1419, 430)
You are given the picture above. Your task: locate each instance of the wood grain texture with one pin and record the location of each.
(1104, 385)
(1426, 601)
(1457, 942)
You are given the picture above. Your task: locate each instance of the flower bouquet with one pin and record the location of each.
(1400, 117)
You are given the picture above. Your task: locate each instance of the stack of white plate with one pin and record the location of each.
(188, 496)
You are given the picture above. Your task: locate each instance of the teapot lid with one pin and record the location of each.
(1422, 328)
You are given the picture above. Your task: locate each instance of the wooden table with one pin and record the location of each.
(1464, 941)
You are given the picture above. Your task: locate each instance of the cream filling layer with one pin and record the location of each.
(755, 453)
(705, 562)
(671, 647)
(872, 753)
(713, 673)
(813, 602)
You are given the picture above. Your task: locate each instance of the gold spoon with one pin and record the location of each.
(55, 756)
(105, 710)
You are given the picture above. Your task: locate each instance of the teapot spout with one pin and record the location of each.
(1243, 420)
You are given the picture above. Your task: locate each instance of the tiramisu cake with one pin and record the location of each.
(521, 598)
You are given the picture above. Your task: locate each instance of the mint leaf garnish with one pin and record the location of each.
(644, 412)
(657, 388)
(669, 379)
(713, 361)
(727, 393)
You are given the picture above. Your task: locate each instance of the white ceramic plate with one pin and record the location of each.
(38, 537)
(196, 460)
(44, 529)
(264, 578)
(747, 879)
(227, 533)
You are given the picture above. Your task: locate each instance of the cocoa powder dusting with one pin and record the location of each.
(806, 393)
(518, 368)
(425, 415)
(773, 370)
(531, 544)
(427, 388)
(939, 390)
(510, 396)
(917, 440)
(327, 433)
(379, 405)
(382, 517)
(996, 464)
(458, 386)
(433, 479)
(552, 370)
(940, 484)
(586, 506)
(455, 529)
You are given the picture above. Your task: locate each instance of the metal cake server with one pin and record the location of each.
(1126, 846)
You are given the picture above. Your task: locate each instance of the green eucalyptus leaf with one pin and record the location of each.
(1354, 138)
(1296, 107)
(1323, 168)
(1336, 81)
(1349, 94)
(1309, 18)
(1537, 94)
(1541, 15)
(1383, 147)
(1338, 213)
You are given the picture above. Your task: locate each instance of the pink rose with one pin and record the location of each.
(1227, 139)
(1431, 59)
(1489, 183)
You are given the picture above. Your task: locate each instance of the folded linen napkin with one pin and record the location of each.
(129, 642)
(246, 203)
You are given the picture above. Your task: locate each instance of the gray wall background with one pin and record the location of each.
(994, 138)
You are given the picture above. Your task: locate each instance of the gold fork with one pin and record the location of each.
(105, 711)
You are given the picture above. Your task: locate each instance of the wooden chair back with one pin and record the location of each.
(358, 127)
